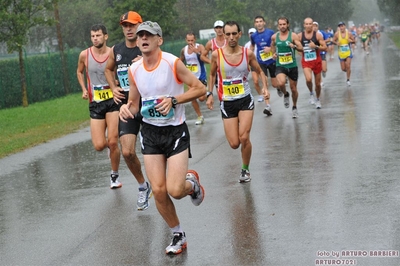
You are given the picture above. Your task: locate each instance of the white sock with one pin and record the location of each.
(143, 185)
(176, 229)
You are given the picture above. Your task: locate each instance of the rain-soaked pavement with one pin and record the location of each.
(325, 188)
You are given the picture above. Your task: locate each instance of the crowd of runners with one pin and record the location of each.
(135, 90)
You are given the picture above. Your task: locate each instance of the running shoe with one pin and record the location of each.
(280, 93)
(286, 100)
(295, 113)
(260, 98)
(197, 195)
(267, 111)
(178, 244)
(114, 180)
(318, 104)
(348, 83)
(143, 197)
(322, 83)
(200, 120)
(312, 99)
(244, 176)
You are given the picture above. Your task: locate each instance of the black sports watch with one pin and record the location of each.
(174, 101)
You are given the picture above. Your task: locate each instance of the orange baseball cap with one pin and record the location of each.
(131, 17)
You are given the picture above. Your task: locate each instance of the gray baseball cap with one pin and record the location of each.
(151, 27)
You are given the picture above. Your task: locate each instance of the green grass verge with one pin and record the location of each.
(395, 36)
(38, 123)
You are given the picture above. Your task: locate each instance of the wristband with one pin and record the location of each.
(209, 93)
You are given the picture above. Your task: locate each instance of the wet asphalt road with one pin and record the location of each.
(326, 182)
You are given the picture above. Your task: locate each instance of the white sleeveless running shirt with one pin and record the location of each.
(233, 80)
(155, 83)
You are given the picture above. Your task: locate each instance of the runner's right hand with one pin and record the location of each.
(118, 95)
(125, 113)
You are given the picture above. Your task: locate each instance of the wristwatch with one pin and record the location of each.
(174, 101)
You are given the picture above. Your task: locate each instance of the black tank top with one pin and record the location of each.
(123, 57)
(305, 41)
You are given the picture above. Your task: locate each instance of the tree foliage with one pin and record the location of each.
(194, 15)
(177, 17)
(76, 19)
(326, 12)
(161, 11)
(236, 7)
(17, 17)
(391, 8)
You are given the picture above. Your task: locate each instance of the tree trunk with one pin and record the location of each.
(23, 79)
(61, 48)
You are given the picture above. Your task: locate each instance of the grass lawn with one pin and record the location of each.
(22, 128)
(395, 36)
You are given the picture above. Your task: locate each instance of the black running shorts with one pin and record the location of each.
(292, 73)
(99, 110)
(167, 140)
(231, 109)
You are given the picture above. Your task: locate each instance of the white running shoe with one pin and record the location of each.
(178, 244)
(197, 195)
(200, 120)
(295, 113)
(312, 99)
(114, 181)
(244, 176)
(267, 111)
(348, 83)
(260, 98)
(286, 102)
(318, 104)
(143, 197)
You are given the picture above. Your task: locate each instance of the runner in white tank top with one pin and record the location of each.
(231, 63)
(190, 55)
(165, 141)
